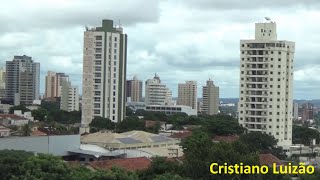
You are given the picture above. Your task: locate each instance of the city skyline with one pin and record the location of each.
(205, 34)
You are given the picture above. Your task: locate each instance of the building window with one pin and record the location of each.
(98, 37)
(115, 39)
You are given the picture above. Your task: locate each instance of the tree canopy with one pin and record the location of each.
(304, 135)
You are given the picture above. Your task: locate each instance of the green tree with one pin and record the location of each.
(304, 135)
(129, 111)
(40, 114)
(222, 125)
(25, 130)
(263, 143)
(131, 123)
(10, 162)
(167, 176)
(21, 107)
(100, 123)
(160, 166)
(197, 150)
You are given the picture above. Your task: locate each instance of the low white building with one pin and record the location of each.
(26, 115)
(4, 108)
(172, 109)
(12, 119)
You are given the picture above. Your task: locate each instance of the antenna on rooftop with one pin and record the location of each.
(119, 23)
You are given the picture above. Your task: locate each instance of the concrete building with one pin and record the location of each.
(53, 84)
(187, 94)
(307, 112)
(134, 90)
(104, 73)
(22, 80)
(2, 82)
(295, 111)
(266, 77)
(69, 97)
(172, 109)
(210, 98)
(157, 93)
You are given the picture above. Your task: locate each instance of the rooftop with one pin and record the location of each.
(107, 138)
(130, 164)
(269, 159)
(228, 139)
(96, 154)
(12, 116)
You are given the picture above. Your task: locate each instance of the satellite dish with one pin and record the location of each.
(267, 18)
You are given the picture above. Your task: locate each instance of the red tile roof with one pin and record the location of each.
(129, 164)
(228, 139)
(181, 135)
(269, 159)
(12, 116)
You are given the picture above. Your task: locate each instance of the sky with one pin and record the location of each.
(177, 39)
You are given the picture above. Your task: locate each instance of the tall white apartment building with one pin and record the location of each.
(187, 94)
(2, 82)
(22, 80)
(210, 98)
(157, 93)
(266, 76)
(54, 84)
(104, 73)
(69, 96)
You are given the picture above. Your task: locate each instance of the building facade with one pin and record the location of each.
(187, 94)
(104, 73)
(307, 112)
(210, 98)
(266, 77)
(133, 90)
(2, 82)
(157, 93)
(172, 109)
(53, 84)
(69, 97)
(295, 111)
(22, 80)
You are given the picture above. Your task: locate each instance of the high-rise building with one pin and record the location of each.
(2, 82)
(157, 93)
(22, 80)
(104, 73)
(307, 112)
(69, 96)
(295, 111)
(266, 77)
(187, 94)
(134, 90)
(53, 84)
(210, 98)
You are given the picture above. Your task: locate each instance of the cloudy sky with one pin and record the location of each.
(177, 39)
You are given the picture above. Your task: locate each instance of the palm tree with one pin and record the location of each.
(26, 130)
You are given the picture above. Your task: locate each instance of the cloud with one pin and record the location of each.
(21, 16)
(248, 4)
(180, 40)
